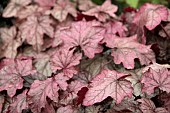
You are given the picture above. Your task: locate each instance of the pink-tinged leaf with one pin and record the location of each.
(57, 40)
(39, 91)
(102, 12)
(12, 72)
(27, 11)
(165, 30)
(19, 103)
(87, 35)
(10, 43)
(34, 29)
(147, 106)
(65, 24)
(85, 5)
(61, 80)
(155, 66)
(2, 100)
(151, 15)
(125, 50)
(62, 9)
(108, 83)
(67, 109)
(76, 86)
(44, 3)
(64, 59)
(156, 79)
(67, 98)
(116, 27)
(11, 50)
(14, 6)
(7, 35)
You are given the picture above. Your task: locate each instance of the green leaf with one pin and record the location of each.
(132, 3)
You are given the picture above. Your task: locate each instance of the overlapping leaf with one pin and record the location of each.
(87, 35)
(65, 60)
(43, 65)
(151, 15)
(39, 91)
(13, 7)
(156, 78)
(45, 3)
(108, 83)
(12, 72)
(19, 103)
(34, 34)
(10, 42)
(116, 27)
(62, 9)
(125, 50)
(147, 106)
(102, 12)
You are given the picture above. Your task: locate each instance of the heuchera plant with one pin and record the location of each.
(62, 56)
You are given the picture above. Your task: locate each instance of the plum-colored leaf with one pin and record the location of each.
(64, 59)
(62, 9)
(2, 100)
(165, 98)
(166, 30)
(43, 65)
(19, 103)
(116, 27)
(151, 15)
(147, 106)
(34, 29)
(45, 3)
(12, 72)
(87, 35)
(10, 43)
(14, 6)
(102, 12)
(39, 91)
(48, 109)
(108, 83)
(125, 50)
(156, 79)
